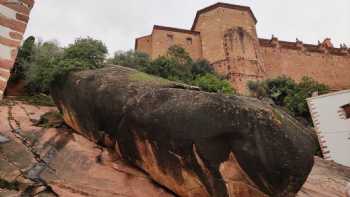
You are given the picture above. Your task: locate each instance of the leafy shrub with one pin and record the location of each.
(41, 69)
(201, 67)
(169, 68)
(131, 59)
(90, 53)
(296, 100)
(23, 58)
(212, 83)
(51, 63)
(287, 93)
(176, 65)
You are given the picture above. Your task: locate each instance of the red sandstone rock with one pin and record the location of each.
(57, 161)
(192, 142)
(327, 179)
(80, 168)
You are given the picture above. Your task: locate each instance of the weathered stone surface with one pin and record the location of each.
(327, 179)
(3, 139)
(67, 176)
(194, 143)
(51, 162)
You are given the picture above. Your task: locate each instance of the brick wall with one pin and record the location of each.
(227, 38)
(215, 23)
(230, 43)
(144, 44)
(14, 16)
(158, 43)
(328, 66)
(163, 38)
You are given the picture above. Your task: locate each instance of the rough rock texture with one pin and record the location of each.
(193, 143)
(327, 179)
(81, 168)
(54, 162)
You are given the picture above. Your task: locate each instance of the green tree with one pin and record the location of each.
(168, 68)
(24, 57)
(175, 65)
(296, 100)
(201, 67)
(89, 52)
(287, 93)
(179, 54)
(41, 69)
(131, 59)
(279, 88)
(51, 63)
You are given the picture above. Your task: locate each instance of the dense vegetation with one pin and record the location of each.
(176, 65)
(287, 93)
(42, 63)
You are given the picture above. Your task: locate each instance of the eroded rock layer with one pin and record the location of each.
(56, 162)
(193, 143)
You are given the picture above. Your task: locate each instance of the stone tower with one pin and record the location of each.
(14, 16)
(225, 35)
(235, 50)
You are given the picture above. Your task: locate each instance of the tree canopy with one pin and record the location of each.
(287, 93)
(43, 63)
(176, 65)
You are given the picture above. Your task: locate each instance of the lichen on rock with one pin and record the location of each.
(191, 142)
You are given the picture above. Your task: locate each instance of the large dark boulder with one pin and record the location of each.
(192, 142)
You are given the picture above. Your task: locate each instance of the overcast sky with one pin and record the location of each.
(118, 22)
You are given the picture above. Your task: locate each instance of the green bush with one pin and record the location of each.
(169, 68)
(201, 67)
(296, 100)
(50, 63)
(90, 53)
(131, 59)
(212, 83)
(287, 93)
(24, 57)
(41, 69)
(176, 65)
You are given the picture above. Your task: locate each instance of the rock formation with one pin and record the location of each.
(56, 162)
(193, 143)
(76, 167)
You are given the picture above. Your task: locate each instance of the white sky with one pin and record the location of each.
(118, 22)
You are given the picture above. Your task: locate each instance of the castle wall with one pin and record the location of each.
(13, 21)
(162, 39)
(324, 67)
(226, 36)
(238, 72)
(144, 44)
(213, 25)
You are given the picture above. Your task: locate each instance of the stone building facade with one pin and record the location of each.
(226, 36)
(14, 16)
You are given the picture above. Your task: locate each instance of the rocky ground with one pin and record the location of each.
(38, 161)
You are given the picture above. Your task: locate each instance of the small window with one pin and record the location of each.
(189, 41)
(346, 109)
(170, 37)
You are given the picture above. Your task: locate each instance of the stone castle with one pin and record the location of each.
(14, 16)
(226, 36)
